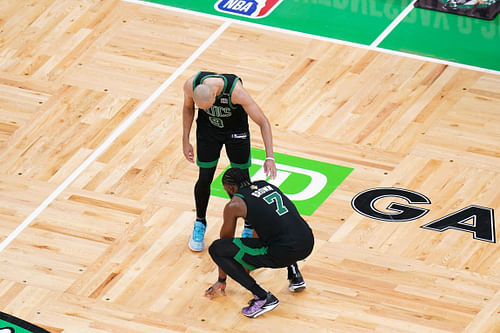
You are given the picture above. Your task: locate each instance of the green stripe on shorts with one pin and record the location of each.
(244, 165)
(248, 250)
(207, 164)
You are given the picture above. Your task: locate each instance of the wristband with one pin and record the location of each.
(222, 280)
(270, 158)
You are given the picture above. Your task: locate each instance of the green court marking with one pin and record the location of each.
(450, 37)
(4, 325)
(359, 21)
(11, 324)
(308, 183)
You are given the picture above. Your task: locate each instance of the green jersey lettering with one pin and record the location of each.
(216, 122)
(276, 198)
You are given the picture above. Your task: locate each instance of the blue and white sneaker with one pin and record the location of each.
(197, 242)
(247, 232)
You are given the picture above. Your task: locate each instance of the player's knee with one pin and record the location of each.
(221, 248)
(215, 249)
(203, 183)
(205, 178)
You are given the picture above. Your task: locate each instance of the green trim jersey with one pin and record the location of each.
(274, 217)
(223, 114)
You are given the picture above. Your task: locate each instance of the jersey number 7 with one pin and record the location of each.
(276, 198)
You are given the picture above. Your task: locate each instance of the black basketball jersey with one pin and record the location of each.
(223, 114)
(273, 216)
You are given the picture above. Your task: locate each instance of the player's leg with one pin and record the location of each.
(208, 147)
(238, 149)
(247, 230)
(236, 256)
(201, 197)
(238, 152)
(295, 279)
(291, 257)
(202, 192)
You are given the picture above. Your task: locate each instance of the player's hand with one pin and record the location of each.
(188, 151)
(270, 169)
(210, 292)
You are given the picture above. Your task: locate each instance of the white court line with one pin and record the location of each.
(393, 24)
(109, 140)
(310, 36)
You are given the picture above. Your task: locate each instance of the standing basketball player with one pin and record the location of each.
(224, 106)
(283, 239)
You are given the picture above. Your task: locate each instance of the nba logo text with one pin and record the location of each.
(247, 8)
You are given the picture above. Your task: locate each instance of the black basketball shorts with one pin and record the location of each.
(209, 142)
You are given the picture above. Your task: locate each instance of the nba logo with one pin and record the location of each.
(248, 8)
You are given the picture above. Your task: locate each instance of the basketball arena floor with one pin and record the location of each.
(386, 129)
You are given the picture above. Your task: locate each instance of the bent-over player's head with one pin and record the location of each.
(234, 178)
(203, 96)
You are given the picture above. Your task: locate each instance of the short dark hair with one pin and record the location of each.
(236, 176)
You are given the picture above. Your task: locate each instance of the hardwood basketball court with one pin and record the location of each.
(96, 198)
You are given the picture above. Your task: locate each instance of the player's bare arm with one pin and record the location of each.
(187, 120)
(242, 97)
(233, 209)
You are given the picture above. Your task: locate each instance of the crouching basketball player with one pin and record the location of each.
(283, 239)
